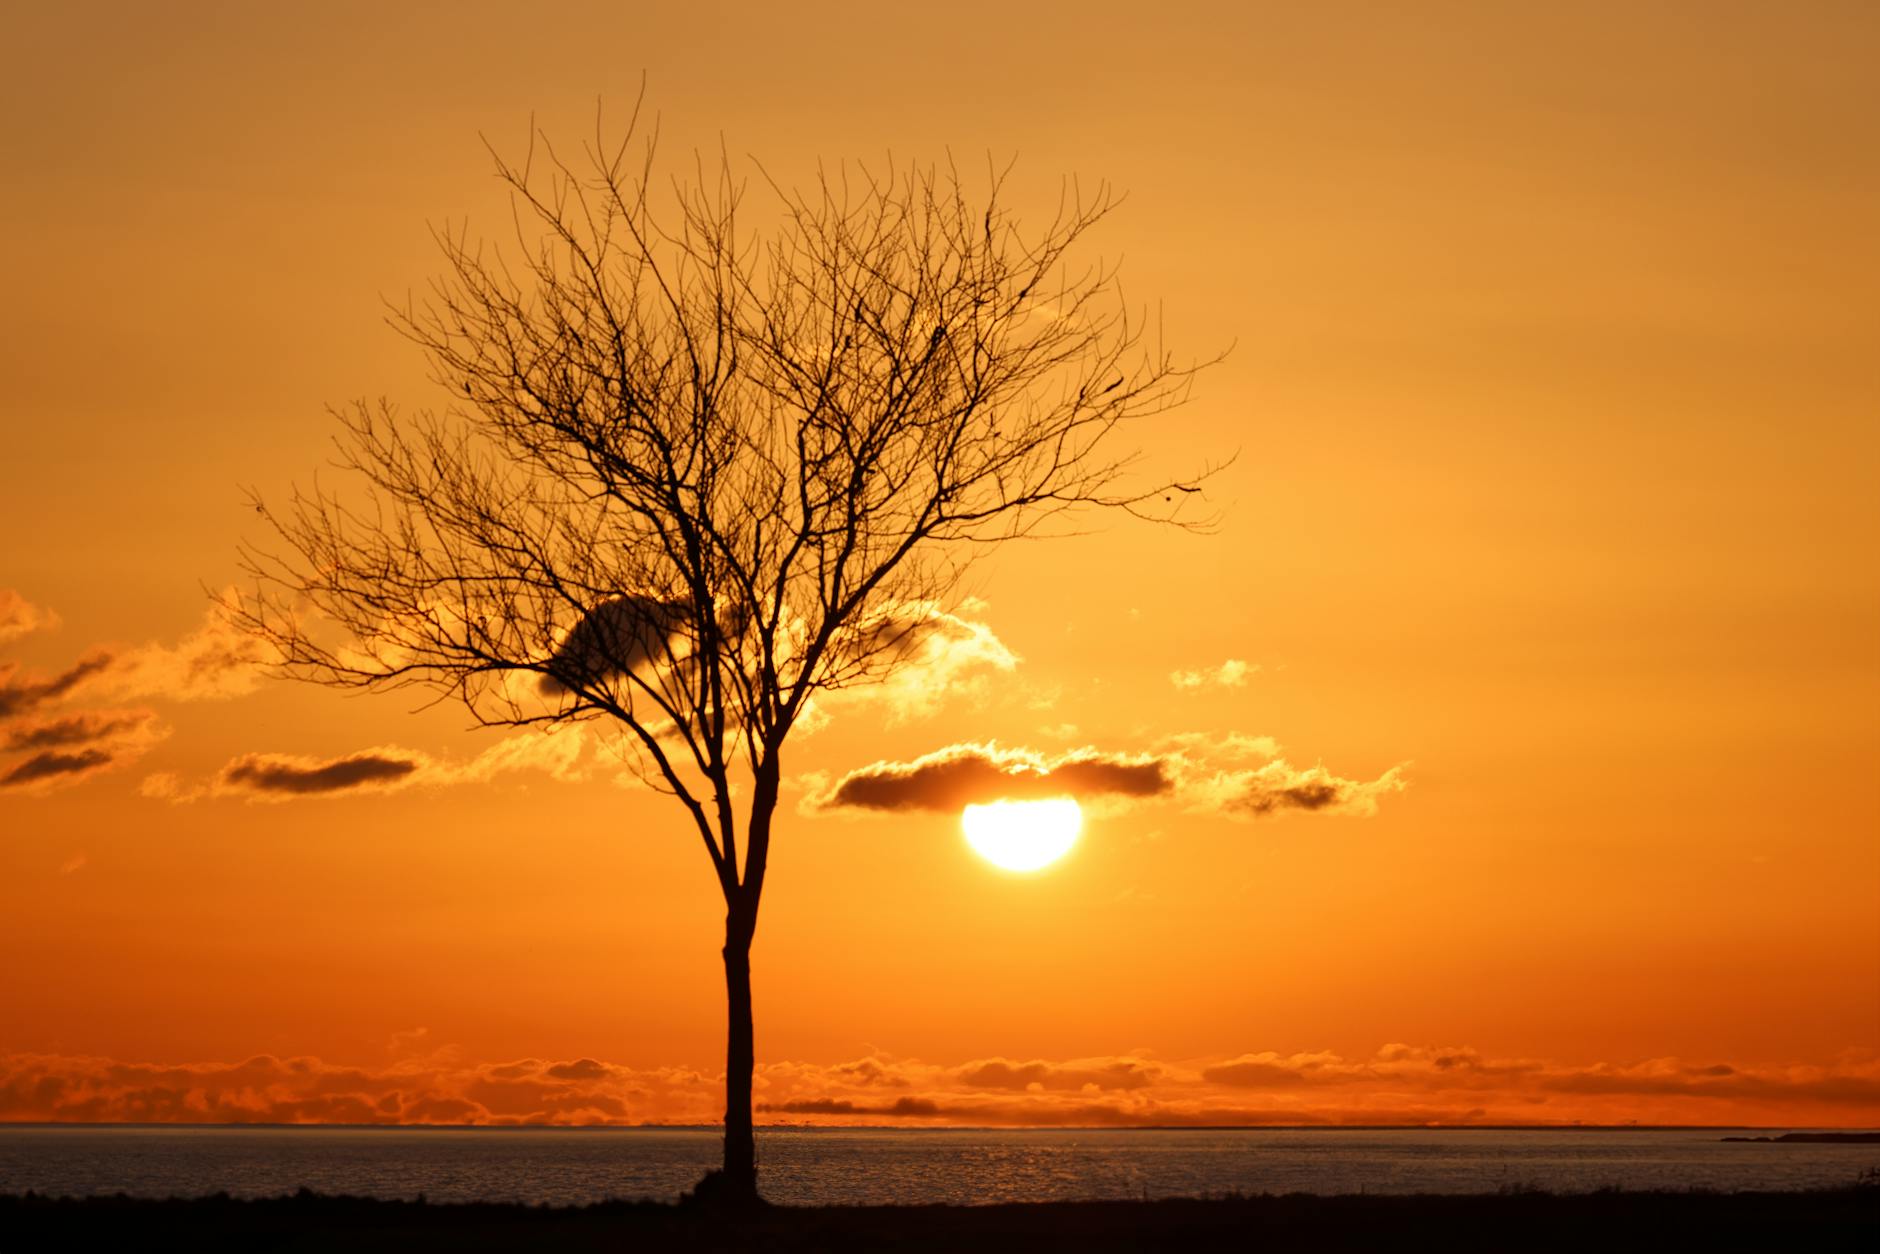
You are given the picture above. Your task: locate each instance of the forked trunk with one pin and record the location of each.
(739, 1183)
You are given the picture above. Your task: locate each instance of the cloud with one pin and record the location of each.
(217, 661)
(818, 1106)
(906, 661)
(19, 694)
(1233, 673)
(945, 657)
(1397, 1085)
(620, 636)
(1279, 785)
(1203, 774)
(19, 617)
(579, 1069)
(557, 753)
(961, 775)
(82, 728)
(264, 1089)
(1268, 1070)
(553, 751)
(906, 658)
(46, 768)
(1669, 1077)
(69, 748)
(899, 1108)
(1102, 1074)
(281, 773)
(1205, 748)
(869, 1071)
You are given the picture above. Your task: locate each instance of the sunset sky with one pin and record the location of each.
(1547, 565)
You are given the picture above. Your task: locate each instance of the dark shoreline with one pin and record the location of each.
(1821, 1219)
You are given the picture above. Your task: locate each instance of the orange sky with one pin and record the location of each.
(1553, 387)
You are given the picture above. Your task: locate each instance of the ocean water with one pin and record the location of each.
(874, 1166)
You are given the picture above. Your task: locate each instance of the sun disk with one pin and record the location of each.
(1022, 835)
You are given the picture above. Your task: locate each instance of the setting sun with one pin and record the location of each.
(1023, 835)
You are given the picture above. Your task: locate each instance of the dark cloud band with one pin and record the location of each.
(76, 729)
(18, 695)
(266, 774)
(51, 765)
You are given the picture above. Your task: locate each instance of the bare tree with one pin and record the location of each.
(690, 480)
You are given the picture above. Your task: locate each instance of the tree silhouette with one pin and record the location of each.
(690, 479)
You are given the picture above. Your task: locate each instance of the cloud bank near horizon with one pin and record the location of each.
(1399, 1085)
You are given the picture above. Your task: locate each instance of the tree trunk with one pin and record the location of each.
(739, 1182)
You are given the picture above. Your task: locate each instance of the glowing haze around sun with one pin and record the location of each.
(1022, 835)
